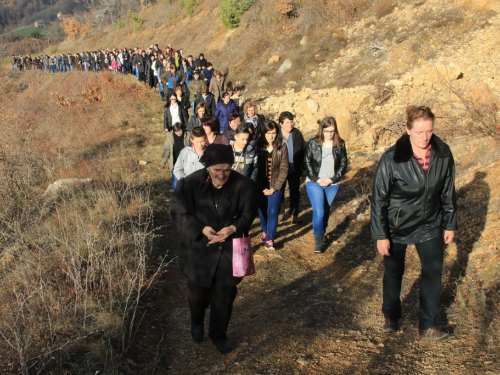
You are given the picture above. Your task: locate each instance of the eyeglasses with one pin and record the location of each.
(329, 131)
(173, 99)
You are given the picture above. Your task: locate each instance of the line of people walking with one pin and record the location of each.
(223, 184)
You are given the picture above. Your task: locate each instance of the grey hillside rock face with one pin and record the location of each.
(287, 65)
(58, 185)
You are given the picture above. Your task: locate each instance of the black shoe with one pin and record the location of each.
(197, 332)
(390, 325)
(223, 345)
(318, 243)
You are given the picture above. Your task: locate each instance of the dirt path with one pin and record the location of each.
(305, 313)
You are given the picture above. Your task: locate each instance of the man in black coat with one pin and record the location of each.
(212, 206)
(296, 148)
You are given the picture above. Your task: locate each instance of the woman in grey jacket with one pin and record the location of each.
(413, 202)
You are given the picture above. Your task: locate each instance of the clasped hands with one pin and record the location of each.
(220, 236)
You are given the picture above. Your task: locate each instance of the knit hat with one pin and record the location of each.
(218, 154)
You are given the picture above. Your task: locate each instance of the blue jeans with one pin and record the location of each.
(174, 181)
(321, 199)
(431, 259)
(162, 93)
(269, 209)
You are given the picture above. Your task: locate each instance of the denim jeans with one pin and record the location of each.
(321, 199)
(269, 207)
(431, 259)
(162, 93)
(174, 181)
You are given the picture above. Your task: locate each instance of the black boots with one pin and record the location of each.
(318, 243)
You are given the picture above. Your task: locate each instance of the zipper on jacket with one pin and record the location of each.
(397, 217)
(426, 177)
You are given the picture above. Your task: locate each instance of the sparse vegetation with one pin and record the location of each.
(339, 13)
(231, 11)
(75, 263)
(137, 21)
(189, 6)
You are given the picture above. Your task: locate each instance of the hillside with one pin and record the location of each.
(121, 310)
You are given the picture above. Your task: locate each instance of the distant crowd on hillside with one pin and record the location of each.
(164, 69)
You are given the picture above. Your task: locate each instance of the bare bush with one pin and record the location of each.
(336, 13)
(480, 102)
(74, 268)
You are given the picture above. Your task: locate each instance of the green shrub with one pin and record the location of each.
(136, 19)
(189, 6)
(53, 50)
(231, 11)
(120, 24)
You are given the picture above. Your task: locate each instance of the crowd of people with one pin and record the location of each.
(229, 164)
(222, 179)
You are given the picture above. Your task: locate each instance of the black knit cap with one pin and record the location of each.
(218, 154)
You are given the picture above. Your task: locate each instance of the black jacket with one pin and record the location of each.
(313, 159)
(299, 148)
(192, 208)
(167, 117)
(410, 205)
(209, 103)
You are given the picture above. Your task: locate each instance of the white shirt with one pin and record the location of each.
(175, 113)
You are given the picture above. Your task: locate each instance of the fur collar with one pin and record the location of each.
(403, 151)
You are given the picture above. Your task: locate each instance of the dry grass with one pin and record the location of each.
(75, 264)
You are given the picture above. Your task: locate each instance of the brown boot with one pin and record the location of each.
(433, 334)
(390, 325)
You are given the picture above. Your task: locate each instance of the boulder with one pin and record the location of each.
(344, 123)
(287, 65)
(273, 59)
(448, 70)
(303, 41)
(58, 185)
(312, 106)
(262, 82)
(397, 83)
(369, 138)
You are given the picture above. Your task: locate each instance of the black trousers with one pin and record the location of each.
(293, 179)
(431, 259)
(220, 298)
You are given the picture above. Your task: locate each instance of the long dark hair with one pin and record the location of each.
(267, 126)
(326, 123)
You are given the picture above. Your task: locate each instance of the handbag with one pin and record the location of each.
(243, 264)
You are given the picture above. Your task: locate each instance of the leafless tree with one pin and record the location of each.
(109, 11)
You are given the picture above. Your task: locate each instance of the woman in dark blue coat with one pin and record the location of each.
(224, 108)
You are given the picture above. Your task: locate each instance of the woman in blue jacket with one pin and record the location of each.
(224, 108)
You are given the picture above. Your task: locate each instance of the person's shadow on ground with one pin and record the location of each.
(472, 203)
